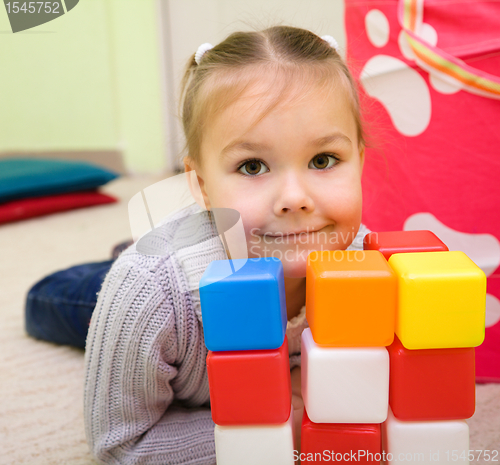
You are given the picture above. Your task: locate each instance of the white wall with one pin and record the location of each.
(193, 22)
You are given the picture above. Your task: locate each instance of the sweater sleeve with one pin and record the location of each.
(146, 391)
(357, 243)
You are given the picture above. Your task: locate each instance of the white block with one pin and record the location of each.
(423, 442)
(344, 384)
(252, 445)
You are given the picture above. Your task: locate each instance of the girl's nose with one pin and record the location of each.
(293, 196)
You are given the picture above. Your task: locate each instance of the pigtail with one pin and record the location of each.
(185, 105)
(189, 70)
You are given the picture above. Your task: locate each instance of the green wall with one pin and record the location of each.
(88, 80)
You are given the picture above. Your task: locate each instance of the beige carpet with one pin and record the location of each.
(41, 384)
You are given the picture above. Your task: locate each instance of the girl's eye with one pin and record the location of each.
(325, 161)
(254, 167)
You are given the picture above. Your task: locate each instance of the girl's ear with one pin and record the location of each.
(362, 157)
(196, 185)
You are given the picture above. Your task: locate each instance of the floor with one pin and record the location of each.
(41, 387)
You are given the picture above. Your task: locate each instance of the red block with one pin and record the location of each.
(348, 442)
(389, 242)
(250, 387)
(431, 384)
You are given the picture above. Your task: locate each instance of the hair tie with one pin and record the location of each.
(201, 51)
(333, 43)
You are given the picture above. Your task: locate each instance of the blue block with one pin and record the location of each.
(243, 304)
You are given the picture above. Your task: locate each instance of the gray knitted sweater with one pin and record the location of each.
(146, 396)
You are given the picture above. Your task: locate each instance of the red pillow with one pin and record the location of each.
(39, 206)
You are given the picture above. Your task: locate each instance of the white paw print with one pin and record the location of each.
(399, 88)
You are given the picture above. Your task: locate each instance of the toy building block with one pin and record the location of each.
(344, 384)
(418, 442)
(250, 387)
(246, 309)
(431, 384)
(441, 300)
(359, 443)
(389, 242)
(350, 298)
(251, 445)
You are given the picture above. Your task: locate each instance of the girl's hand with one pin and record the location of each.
(298, 406)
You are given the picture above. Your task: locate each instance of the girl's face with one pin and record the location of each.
(294, 177)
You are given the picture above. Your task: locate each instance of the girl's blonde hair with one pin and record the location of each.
(292, 55)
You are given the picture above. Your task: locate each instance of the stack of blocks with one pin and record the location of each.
(367, 390)
(350, 308)
(244, 324)
(440, 319)
(387, 360)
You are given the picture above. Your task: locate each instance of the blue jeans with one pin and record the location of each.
(59, 307)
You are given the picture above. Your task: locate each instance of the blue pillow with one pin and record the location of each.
(37, 177)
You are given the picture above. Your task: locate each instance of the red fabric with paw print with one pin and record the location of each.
(434, 163)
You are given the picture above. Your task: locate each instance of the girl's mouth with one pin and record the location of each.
(292, 234)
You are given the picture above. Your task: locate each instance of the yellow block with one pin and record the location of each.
(441, 300)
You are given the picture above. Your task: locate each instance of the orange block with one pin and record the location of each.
(350, 298)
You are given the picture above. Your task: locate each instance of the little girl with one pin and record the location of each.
(273, 129)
